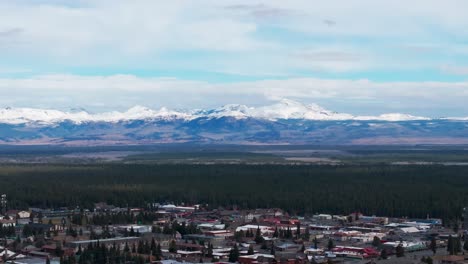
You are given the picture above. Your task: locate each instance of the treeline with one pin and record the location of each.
(413, 191)
(99, 253)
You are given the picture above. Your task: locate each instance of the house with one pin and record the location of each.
(136, 228)
(210, 226)
(103, 207)
(253, 228)
(23, 214)
(257, 258)
(189, 247)
(408, 246)
(5, 253)
(40, 228)
(119, 241)
(219, 233)
(7, 222)
(355, 252)
(287, 246)
(323, 217)
(251, 216)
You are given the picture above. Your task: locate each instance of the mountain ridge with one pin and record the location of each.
(284, 109)
(285, 122)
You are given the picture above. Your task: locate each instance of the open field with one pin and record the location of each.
(237, 154)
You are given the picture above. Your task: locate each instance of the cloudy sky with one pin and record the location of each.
(355, 56)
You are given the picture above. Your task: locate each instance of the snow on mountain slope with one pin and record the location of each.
(28, 115)
(230, 110)
(288, 109)
(17, 116)
(392, 117)
(284, 109)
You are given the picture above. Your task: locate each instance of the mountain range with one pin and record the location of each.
(285, 122)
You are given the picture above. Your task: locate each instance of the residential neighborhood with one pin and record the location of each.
(173, 233)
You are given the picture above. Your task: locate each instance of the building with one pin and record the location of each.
(219, 233)
(257, 258)
(323, 217)
(136, 228)
(7, 222)
(253, 228)
(119, 241)
(355, 252)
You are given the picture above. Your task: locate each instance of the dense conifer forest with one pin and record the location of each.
(413, 191)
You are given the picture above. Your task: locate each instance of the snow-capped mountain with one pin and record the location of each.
(285, 122)
(285, 109)
(47, 117)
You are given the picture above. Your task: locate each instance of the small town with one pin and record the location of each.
(168, 233)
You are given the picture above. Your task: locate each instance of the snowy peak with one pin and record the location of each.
(17, 116)
(284, 109)
(27, 115)
(288, 109)
(230, 110)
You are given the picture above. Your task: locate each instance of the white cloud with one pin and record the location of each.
(106, 32)
(132, 27)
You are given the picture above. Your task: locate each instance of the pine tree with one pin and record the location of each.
(383, 254)
(433, 245)
(153, 245)
(251, 250)
(298, 230)
(258, 236)
(264, 245)
(458, 245)
(234, 254)
(376, 242)
(455, 226)
(400, 251)
(275, 234)
(307, 234)
(146, 248)
(315, 243)
(158, 251)
(210, 250)
(140, 247)
(288, 233)
(331, 244)
(80, 250)
(451, 245)
(173, 246)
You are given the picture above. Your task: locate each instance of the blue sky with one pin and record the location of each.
(357, 56)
